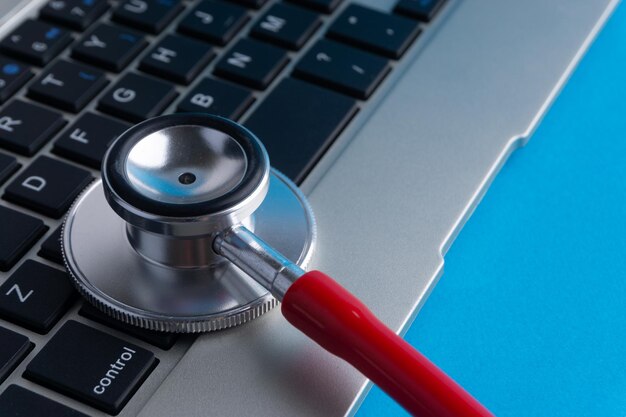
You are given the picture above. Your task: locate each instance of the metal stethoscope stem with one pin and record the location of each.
(259, 260)
(192, 195)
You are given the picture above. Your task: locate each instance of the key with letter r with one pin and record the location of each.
(25, 127)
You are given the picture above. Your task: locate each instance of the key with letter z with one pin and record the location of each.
(36, 296)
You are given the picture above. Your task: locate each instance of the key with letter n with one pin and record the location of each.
(252, 63)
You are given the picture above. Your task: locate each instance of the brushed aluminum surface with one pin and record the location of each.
(120, 281)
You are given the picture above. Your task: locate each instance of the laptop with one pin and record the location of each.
(393, 116)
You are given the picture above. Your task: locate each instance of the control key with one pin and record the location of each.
(91, 366)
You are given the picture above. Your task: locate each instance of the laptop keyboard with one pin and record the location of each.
(80, 72)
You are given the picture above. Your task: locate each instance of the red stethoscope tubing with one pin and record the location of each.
(334, 318)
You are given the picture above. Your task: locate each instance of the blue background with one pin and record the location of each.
(530, 313)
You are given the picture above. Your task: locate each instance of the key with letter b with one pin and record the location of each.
(217, 97)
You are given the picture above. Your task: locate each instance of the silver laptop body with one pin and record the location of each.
(389, 197)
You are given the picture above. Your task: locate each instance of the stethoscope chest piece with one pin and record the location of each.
(138, 242)
(190, 230)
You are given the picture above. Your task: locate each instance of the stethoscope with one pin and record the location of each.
(194, 212)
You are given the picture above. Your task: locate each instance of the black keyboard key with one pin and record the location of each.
(51, 247)
(297, 122)
(67, 85)
(148, 15)
(48, 186)
(76, 14)
(217, 97)
(91, 366)
(36, 42)
(286, 25)
(161, 340)
(343, 68)
(25, 127)
(252, 63)
(325, 6)
(423, 10)
(109, 47)
(214, 22)
(135, 98)
(177, 59)
(255, 4)
(19, 234)
(13, 75)
(36, 296)
(8, 165)
(374, 31)
(88, 138)
(16, 401)
(13, 349)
